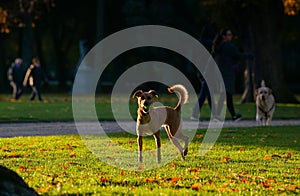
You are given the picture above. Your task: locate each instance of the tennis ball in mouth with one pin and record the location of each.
(146, 107)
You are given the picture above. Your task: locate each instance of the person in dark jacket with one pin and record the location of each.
(206, 39)
(15, 76)
(226, 56)
(35, 75)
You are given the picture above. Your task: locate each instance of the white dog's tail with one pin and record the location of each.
(263, 84)
(182, 93)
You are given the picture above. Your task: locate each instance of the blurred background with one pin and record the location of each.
(61, 32)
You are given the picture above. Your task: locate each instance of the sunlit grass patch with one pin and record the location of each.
(258, 160)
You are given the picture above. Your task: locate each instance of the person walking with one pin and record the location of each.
(15, 76)
(226, 55)
(35, 75)
(206, 39)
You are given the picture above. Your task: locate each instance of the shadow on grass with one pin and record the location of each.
(287, 137)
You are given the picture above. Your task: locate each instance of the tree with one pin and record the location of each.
(23, 15)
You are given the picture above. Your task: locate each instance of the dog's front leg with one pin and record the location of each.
(158, 145)
(259, 119)
(264, 122)
(268, 121)
(140, 148)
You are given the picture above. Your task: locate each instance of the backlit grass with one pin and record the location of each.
(258, 160)
(59, 108)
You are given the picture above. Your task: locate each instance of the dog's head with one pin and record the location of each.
(145, 99)
(263, 93)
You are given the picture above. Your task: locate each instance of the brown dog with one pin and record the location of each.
(149, 121)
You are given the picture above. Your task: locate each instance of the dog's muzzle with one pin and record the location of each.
(146, 107)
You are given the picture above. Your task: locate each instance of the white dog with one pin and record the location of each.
(265, 105)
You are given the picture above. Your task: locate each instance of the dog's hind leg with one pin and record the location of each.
(186, 139)
(140, 148)
(158, 145)
(175, 141)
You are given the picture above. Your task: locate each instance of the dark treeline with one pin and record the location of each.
(259, 27)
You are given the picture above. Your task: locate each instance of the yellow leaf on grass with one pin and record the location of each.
(174, 179)
(225, 159)
(197, 186)
(267, 158)
(122, 173)
(44, 189)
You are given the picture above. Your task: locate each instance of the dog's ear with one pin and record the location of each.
(153, 93)
(256, 92)
(137, 94)
(269, 91)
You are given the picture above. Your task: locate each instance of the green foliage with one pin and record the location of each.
(258, 161)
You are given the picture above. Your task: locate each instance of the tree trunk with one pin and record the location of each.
(3, 67)
(27, 48)
(39, 49)
(268, 19)
(249, 72)
(100, 20)
(60, 63)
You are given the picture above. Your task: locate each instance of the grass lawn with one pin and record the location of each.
(258, 160)
(59, 108)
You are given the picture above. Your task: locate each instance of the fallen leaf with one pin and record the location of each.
(72, 163)
(147, 180)
(271, 180)
(221, 189)
(267, 158)
(22, 168)
(103, 179)
(173, 179)
(131, 141)
(44, 189)
(225, 159)
(293, 188)
(244, 180)
(289, 155)
(197, 186)
(266, 185)
(193, 170)
(122, 173)
(69, 147)
(276, 155)
(172, 164)
(280, 189)
(14, 156)
(140, 168)
(236, 190)
(199, 136)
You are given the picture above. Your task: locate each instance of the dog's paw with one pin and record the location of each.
(185, 152)
(182, 156)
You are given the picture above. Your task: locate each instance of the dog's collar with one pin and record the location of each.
(266, 112)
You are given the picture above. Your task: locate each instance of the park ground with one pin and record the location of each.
(244, 160)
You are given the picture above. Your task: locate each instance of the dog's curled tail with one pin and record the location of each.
(182, 93)
(263, 84)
